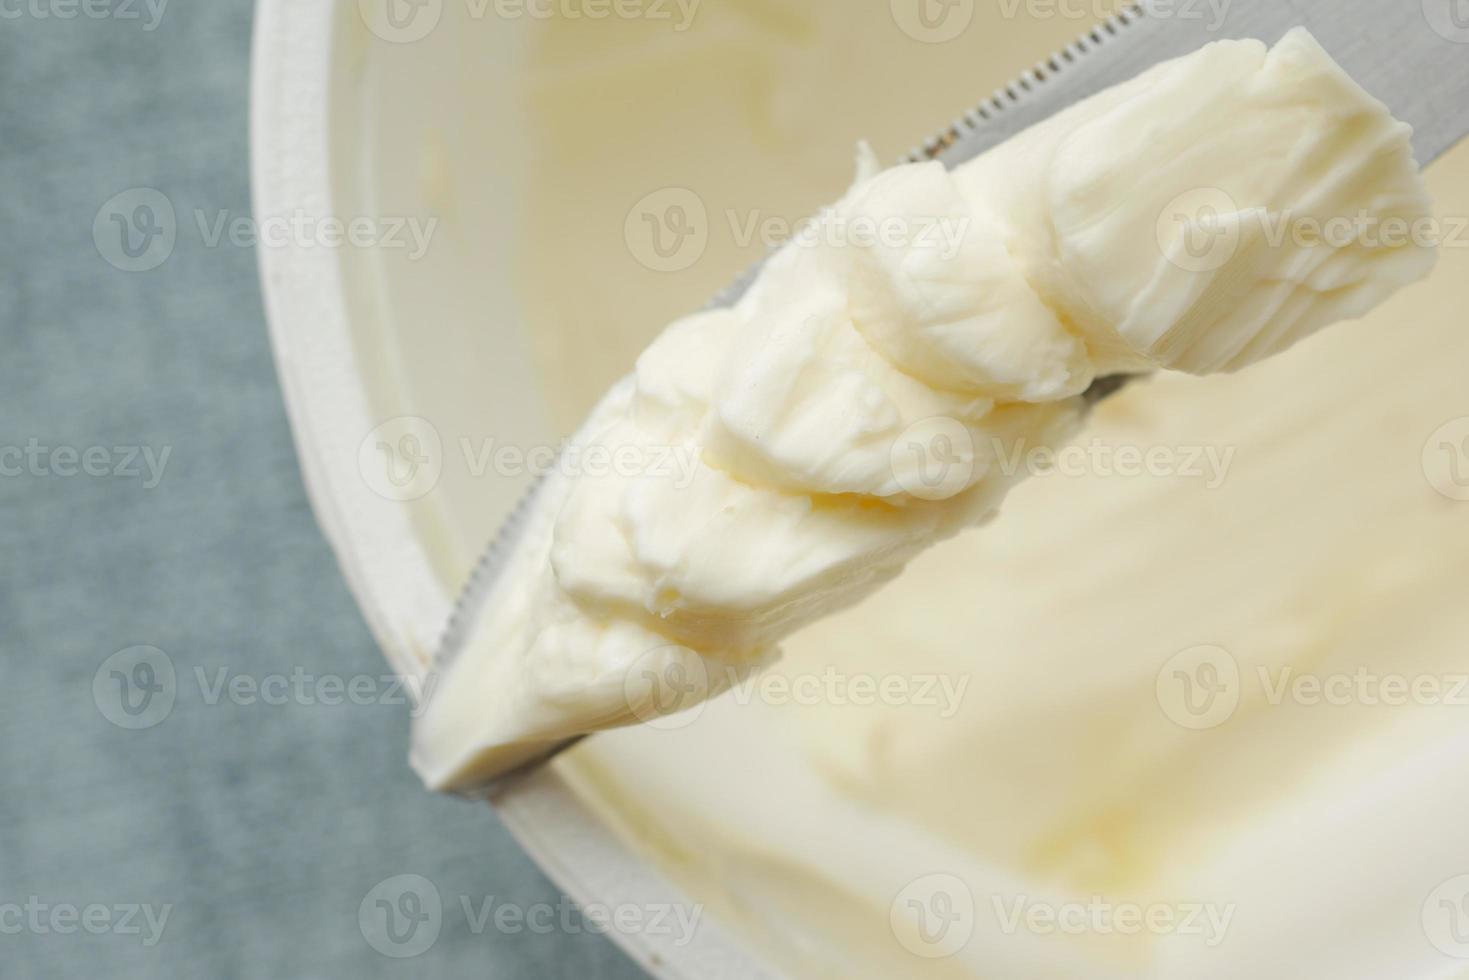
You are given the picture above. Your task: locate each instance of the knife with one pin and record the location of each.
(1411, 54)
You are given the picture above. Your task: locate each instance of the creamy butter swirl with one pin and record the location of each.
(853, 407)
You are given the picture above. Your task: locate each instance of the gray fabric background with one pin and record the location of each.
(262, 826)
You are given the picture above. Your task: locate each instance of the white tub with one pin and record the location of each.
(371, 342)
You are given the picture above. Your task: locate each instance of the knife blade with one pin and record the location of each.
(1411, 54)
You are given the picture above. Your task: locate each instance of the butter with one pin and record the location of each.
(857, 368)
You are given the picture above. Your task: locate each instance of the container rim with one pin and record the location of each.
(298, 74)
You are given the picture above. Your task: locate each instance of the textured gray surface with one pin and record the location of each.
(263, 826)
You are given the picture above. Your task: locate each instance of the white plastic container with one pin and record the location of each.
(373, 342)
